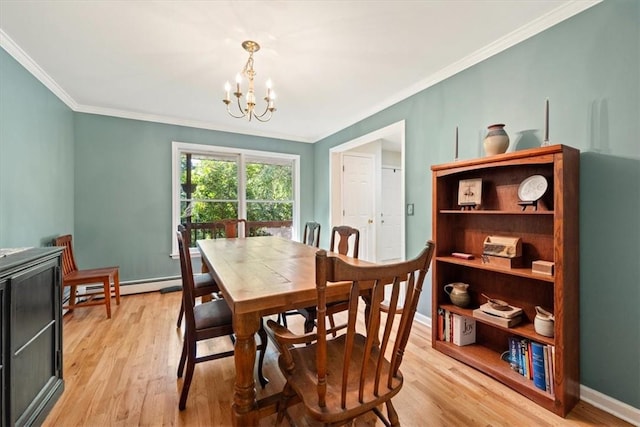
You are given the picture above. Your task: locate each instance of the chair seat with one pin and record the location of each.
(212, 314)
(94, 273)
(304, 380)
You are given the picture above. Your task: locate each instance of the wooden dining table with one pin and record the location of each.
(260, 276)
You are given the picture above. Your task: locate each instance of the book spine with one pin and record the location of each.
(450, 327)
(545, 355)
(523, 357)
(537, 366)
(455, 329)
(513, 352)
(529, 360)
(440, 324)
(447, 325)
(552, 365)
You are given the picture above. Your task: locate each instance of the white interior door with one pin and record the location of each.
(358, 200)
(390, 238)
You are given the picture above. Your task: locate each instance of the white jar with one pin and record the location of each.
(544, 322)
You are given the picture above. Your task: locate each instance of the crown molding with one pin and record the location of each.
(156, 118)
(25, 60)
(552, 18)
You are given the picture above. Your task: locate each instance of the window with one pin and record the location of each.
(210, 184)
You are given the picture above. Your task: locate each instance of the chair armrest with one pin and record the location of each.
(284, 340)
(285, 337)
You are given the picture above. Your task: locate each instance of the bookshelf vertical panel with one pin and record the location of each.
(549, 233)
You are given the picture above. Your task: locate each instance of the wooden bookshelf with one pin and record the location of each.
(548, 233)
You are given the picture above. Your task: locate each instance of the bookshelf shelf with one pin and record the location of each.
(489, 362)
(476, 262)
(549, 233)
(494, 212)
(524, 330)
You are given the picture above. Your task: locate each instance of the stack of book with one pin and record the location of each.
(507, 318)
(454, 328)
(533, 360)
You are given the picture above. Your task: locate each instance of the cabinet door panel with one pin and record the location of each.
(33, 372)
(32, 302)
(33, 340)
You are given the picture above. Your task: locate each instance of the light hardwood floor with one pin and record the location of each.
(122, 372)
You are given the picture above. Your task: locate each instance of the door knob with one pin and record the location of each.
(370, 221)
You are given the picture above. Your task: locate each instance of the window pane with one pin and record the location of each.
(210, 190)
(215, 179)
(269, 181)
(270, 218)
(213, 185)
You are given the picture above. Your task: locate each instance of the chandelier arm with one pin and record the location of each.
(243, 111)
(233, 115)
(260, 119)
(266, 110)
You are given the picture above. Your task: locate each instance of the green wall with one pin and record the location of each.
(36, 160)
(589, 69)
(107, 180)
(123, 189)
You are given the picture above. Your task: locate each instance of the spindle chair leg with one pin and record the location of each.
(191, 363)
(393, 415)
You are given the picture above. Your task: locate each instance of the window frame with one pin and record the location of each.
(179, 148)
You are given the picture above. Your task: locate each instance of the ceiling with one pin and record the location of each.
(332, 63)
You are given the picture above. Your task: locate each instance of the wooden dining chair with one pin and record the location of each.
(204, 321)
(73, 277)
(342, 378)
(343, 234)
(231, 227)
(203, 283)
(311, 235)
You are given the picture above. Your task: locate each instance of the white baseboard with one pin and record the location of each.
(608, 404)
(132, 288)
(138, 288)
(422, 319)
(620, 409)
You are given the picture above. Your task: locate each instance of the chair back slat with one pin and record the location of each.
(311, 235)
(344, 233)
(391, 312)
(384, 339)
(68, 259)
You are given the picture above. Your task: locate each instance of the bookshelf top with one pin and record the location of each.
(502, 158)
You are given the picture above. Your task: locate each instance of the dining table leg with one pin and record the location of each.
(245, 406)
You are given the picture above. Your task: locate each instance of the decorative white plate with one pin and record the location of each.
(532, 188)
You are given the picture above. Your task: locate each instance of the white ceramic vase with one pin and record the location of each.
(544, 322)
(496, 141)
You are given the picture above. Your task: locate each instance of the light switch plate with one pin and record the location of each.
(410, 209)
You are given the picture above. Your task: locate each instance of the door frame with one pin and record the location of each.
(394, 131)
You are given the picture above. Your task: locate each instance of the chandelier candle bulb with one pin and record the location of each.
(227, 89)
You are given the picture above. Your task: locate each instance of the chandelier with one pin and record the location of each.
(248, 110)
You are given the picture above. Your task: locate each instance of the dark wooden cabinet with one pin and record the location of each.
(3, 336)
(31, 328)
(548, 233)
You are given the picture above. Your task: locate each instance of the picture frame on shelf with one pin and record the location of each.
(470, 193)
